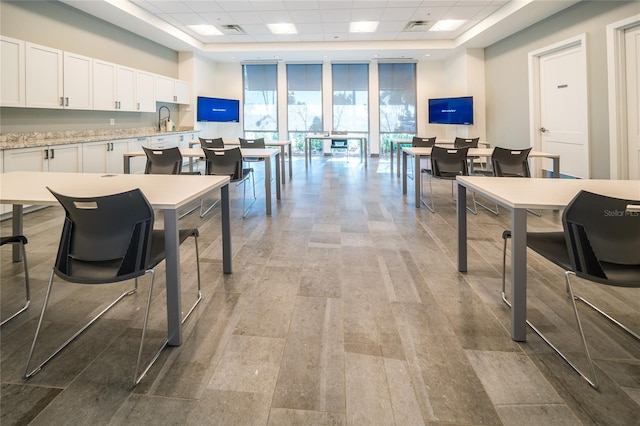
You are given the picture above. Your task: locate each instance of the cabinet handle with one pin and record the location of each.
(61, 101)
(66, 103)
(111, 146)
(53, 154)
(46, 154)
(138, 105)
(119, 105)
(175, 98)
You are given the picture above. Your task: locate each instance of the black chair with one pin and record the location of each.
(228, 162)
(211, 143)
(418, 142)
(22, 241)
(423, 142)
(446, 163)
(469, 143)
(599, 243)
(257, 143)
(340, 143)
(109, 239)
(167, 161)
(507, 162)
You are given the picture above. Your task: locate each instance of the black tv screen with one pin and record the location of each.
(451, 110)
(218, 109)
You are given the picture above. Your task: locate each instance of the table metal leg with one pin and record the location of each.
(556, 167)
(399, 152)
(226, 230)
(17, 227)
(127, 164)
(519, 274)
(282, 166)
(172, 273)
(365, 150)
(278, 173)
(417, 180)
(267, 184)
(290, 162)
(461, 215)
(404, 172)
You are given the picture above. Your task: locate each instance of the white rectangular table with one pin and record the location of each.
(517, 195)
(419, 153)
(285, 151)
(266, 154)
(361, 139)
(166, 193)
(400, 142)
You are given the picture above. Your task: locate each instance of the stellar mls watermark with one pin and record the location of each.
(620, 213)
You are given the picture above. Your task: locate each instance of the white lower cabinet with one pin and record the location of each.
(108, 156)
(53, 158)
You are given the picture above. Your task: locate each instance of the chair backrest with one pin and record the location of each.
(448, 163)
(423, 142)
(167, 161)
(599, 229)
(465, 142)
(227, 162)
(111, 231)
(510, 162)
(211, 143)
(252, 143)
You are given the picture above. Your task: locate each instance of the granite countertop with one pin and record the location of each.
(36, 139)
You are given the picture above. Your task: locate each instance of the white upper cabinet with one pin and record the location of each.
(171, 90)
(126, 89)
(114, 88)
(104, 87)
(44, 78)
(12, 72)
(145, 92)
(78, 81)
(57, 79)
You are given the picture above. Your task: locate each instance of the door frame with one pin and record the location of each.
(617, 85)
(534, 58)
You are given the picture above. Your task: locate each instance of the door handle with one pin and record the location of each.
(543, 130)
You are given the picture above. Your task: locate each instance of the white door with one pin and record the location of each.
(632, 43)
(563, 106)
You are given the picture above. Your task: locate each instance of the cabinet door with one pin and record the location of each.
(164, 89)
(145, 93)
(116, 155)
(181, 91)
(162, 142)
(12, 72)
(25, 159)
(137, 164)
(104, 87)
(65, 158)
(126, 89)
(44, 76)
(94, 157)
(78, 81)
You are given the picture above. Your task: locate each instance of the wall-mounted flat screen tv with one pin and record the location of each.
(218, 109)
(451, 110)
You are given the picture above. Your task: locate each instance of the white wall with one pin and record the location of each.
(506, 79)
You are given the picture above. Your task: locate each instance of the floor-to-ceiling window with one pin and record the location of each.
(260, 101)
(304, 103)
(397, 82)
(351, 98)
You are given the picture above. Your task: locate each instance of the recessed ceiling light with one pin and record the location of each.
(363, 27)
(205, 30)
(447, 25)
(282, 28)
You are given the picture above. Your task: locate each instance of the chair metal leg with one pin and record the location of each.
(204, 213)
(27, 373)
(26, 284)
(423, 198)
(593, 382)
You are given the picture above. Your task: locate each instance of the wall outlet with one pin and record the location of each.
(112, 121)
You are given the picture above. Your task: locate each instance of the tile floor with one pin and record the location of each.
(344, 307)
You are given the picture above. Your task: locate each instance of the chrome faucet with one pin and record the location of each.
(160, 121)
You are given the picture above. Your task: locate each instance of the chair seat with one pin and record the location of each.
(157, 254)
(551, 245)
